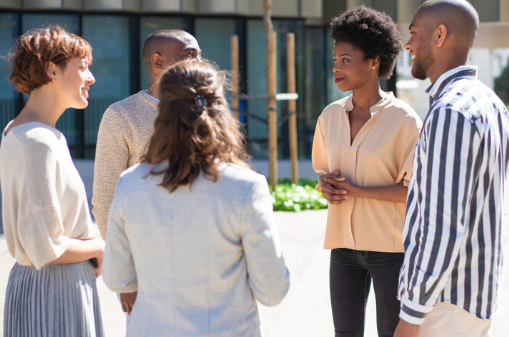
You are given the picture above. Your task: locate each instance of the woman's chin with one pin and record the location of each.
(81, 105)
(343, 88)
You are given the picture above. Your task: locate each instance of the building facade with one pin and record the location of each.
(117, 29)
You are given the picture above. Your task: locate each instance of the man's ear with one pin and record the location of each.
(51, 70)
(157, 61)
(441, 35)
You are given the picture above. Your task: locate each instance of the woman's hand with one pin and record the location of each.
(97, 270)
(328, 183)
(99, 258)
(341, 184)
(337, 189)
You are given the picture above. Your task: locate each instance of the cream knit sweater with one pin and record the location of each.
(124, 133)
(44, 202)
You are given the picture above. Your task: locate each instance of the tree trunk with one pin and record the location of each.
(267, 13)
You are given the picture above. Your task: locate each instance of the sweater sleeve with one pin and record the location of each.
(41, 230)
(111, 159)
(269, 278)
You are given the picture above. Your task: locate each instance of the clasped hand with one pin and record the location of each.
(336, 189)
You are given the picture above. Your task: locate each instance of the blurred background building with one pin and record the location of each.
(117, 29)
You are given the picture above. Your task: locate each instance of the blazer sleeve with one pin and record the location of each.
(118, 267)
(268, 275)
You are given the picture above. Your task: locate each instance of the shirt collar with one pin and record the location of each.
(149, 95)
(386, 98)
(436, 87)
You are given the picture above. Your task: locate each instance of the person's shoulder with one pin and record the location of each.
(339, 104)
(335, 107)
(468, 98)
(36, 137)
(134, 177)
(135, 172)
(401, 110)
(242, 176)
(34, 144)
(130, 104)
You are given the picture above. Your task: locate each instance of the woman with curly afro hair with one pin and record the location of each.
(364, 147)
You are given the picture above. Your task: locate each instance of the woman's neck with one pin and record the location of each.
(367, 96)
(43, 107)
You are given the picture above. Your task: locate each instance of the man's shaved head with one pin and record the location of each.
(459, 16)
(442, 33)
(167, 41)
(163, 49)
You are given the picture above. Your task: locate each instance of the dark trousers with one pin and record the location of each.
(351, 272)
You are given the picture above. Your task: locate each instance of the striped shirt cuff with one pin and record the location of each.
(413, 313)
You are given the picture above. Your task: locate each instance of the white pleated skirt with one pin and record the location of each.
(58, 300)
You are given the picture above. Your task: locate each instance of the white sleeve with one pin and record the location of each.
(118, 268)
(268, 276)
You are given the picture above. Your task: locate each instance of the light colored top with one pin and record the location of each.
(455, 220)
(44, 202)
(199, 257)
(381, 155)
(124, 134)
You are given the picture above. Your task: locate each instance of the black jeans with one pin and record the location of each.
(351, 272)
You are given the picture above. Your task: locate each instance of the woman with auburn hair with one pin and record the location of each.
(364, 146)
(192, 227)
(52, 287)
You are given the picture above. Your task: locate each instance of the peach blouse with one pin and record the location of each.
(381, 155)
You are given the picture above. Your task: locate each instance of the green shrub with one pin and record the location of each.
(502, 85)
(295, 198)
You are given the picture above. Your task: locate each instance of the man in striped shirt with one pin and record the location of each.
(453, 227)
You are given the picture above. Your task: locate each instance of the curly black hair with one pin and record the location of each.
(371, 31)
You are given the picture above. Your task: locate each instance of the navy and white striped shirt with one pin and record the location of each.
(453, 224)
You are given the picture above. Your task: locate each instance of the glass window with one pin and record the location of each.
(9, 98)
(150, 24)
(214, 37)
(256, 84)
(315, 80)
(71, 23)
(109, 37)
(297, 27)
